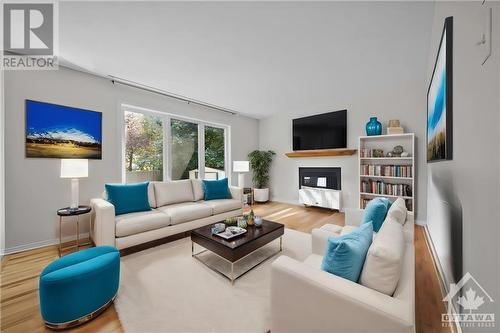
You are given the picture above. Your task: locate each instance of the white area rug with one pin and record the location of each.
(164, 289)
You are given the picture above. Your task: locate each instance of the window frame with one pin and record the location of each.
(166, 118)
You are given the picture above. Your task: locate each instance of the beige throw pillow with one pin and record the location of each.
(382, 267)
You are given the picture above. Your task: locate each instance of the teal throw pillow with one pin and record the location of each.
(345, 255)
(216, 189)
(128, 198)
(376, 211)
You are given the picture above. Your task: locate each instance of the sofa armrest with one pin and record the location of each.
(319, 240)
(103, 217)
(236, 192)
(353, 216)
(306, 299)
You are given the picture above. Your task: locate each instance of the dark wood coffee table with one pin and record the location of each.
(237, 248)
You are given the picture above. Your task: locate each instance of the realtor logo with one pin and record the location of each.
(470, 301)
(29, 35)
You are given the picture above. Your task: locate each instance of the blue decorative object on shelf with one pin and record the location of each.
(79, 286)
(373, 127)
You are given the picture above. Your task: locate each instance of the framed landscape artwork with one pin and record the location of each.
(56, 131)
(440, 100)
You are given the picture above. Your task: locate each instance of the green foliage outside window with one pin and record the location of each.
(144, 147)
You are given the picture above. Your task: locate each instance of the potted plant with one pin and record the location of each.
(260, 162)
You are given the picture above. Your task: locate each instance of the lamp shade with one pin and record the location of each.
(74, 168)
(241, 166)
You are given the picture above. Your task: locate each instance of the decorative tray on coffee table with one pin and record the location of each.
(231, 232)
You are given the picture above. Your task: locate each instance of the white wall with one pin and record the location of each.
(472, 177)
(387, 80)
(34, 190)
(2, 165)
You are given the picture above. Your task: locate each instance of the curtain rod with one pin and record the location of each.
(115, 80)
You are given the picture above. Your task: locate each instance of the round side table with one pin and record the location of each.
(68, 212)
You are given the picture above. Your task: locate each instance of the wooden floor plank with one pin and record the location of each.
(19, 303)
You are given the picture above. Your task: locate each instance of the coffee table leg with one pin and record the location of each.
(281, 243)
(232, 273)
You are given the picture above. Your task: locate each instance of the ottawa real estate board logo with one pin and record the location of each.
(29, 36)
(471, 300)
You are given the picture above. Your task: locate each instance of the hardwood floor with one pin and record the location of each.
(19, 305)
(428, 296)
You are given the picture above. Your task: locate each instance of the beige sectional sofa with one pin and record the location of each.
(176, 207)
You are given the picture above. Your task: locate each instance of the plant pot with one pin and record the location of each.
(261, 194)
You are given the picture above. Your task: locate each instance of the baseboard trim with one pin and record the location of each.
(439, 272)
(37, 245)
(290, 202)
(422, 223)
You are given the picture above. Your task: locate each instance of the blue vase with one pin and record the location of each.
(373, 127)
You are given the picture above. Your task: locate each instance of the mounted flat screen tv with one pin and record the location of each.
(57, 131)
(322, 131)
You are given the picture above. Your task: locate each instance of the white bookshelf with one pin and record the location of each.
(387, 143)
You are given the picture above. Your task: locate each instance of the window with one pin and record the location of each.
(160, 146)
(143, 147)
(214, 153)
(184, 149)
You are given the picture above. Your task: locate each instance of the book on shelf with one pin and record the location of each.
(403, 171)
(380, 187)
(408, 202)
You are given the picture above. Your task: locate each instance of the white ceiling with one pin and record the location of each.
(253, 57)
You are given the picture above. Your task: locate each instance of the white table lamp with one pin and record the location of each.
(74, 169)
(241, 167)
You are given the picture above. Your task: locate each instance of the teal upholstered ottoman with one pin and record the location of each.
(78, 287)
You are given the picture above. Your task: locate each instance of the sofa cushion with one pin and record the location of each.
(134, 223)
(384, 259)
(186, 211)
(128, 198)
(198, 192)
(151, 194)
(398, 211)
(375, 212)
(216, 189)
(176, 191)
(346, 254)
(223, 205)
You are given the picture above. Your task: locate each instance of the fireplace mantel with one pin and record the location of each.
(322, 152)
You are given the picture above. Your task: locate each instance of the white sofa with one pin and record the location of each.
(177, 207)
(306, 299)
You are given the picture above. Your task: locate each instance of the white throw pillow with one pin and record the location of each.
(382, 267)
(199, 193)
(397, 211)
(167, 193)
